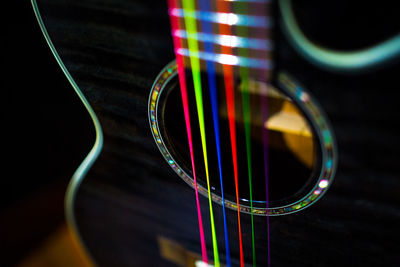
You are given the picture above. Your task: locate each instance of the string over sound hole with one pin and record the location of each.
(296, 156)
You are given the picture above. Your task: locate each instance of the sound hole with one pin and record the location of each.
(293, 149)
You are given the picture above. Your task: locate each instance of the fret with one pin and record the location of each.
(228, 59)
(226, 40)
(224, 18)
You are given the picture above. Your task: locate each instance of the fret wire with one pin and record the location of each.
(227, 59)
(223, 18)
(226, 40)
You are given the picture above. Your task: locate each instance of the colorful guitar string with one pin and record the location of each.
(182, 83)
(225, 19)
(212, 83)
(225, 29)
(264, 117)
(245, 80)
(191, 27)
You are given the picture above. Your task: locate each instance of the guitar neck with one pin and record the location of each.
(227, 33)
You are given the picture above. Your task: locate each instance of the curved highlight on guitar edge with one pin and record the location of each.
(336, 60)
(87, 163)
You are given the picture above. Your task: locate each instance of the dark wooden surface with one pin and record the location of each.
(115, 49)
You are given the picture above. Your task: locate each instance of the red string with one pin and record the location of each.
(230, 98)
(182, 81)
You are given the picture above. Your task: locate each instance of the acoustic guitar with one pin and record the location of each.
(216, 142)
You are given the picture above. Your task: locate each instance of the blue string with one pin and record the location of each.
(212, 83)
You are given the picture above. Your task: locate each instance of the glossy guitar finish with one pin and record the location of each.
(131, 204)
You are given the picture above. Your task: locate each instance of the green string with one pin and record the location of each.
(188, 6)
(244, 72)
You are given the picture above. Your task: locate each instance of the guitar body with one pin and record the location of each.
(131, 209)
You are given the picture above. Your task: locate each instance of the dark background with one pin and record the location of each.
(45, 134)
(46, 131)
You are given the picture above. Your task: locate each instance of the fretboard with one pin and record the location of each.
(231, 33)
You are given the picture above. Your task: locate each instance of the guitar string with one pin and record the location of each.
(264, 119)
(182, 81)
(190, 22)
(242, 8)
(264, 112)
(246, 115)
(265, 75)
(212, 83)
(230, 98)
